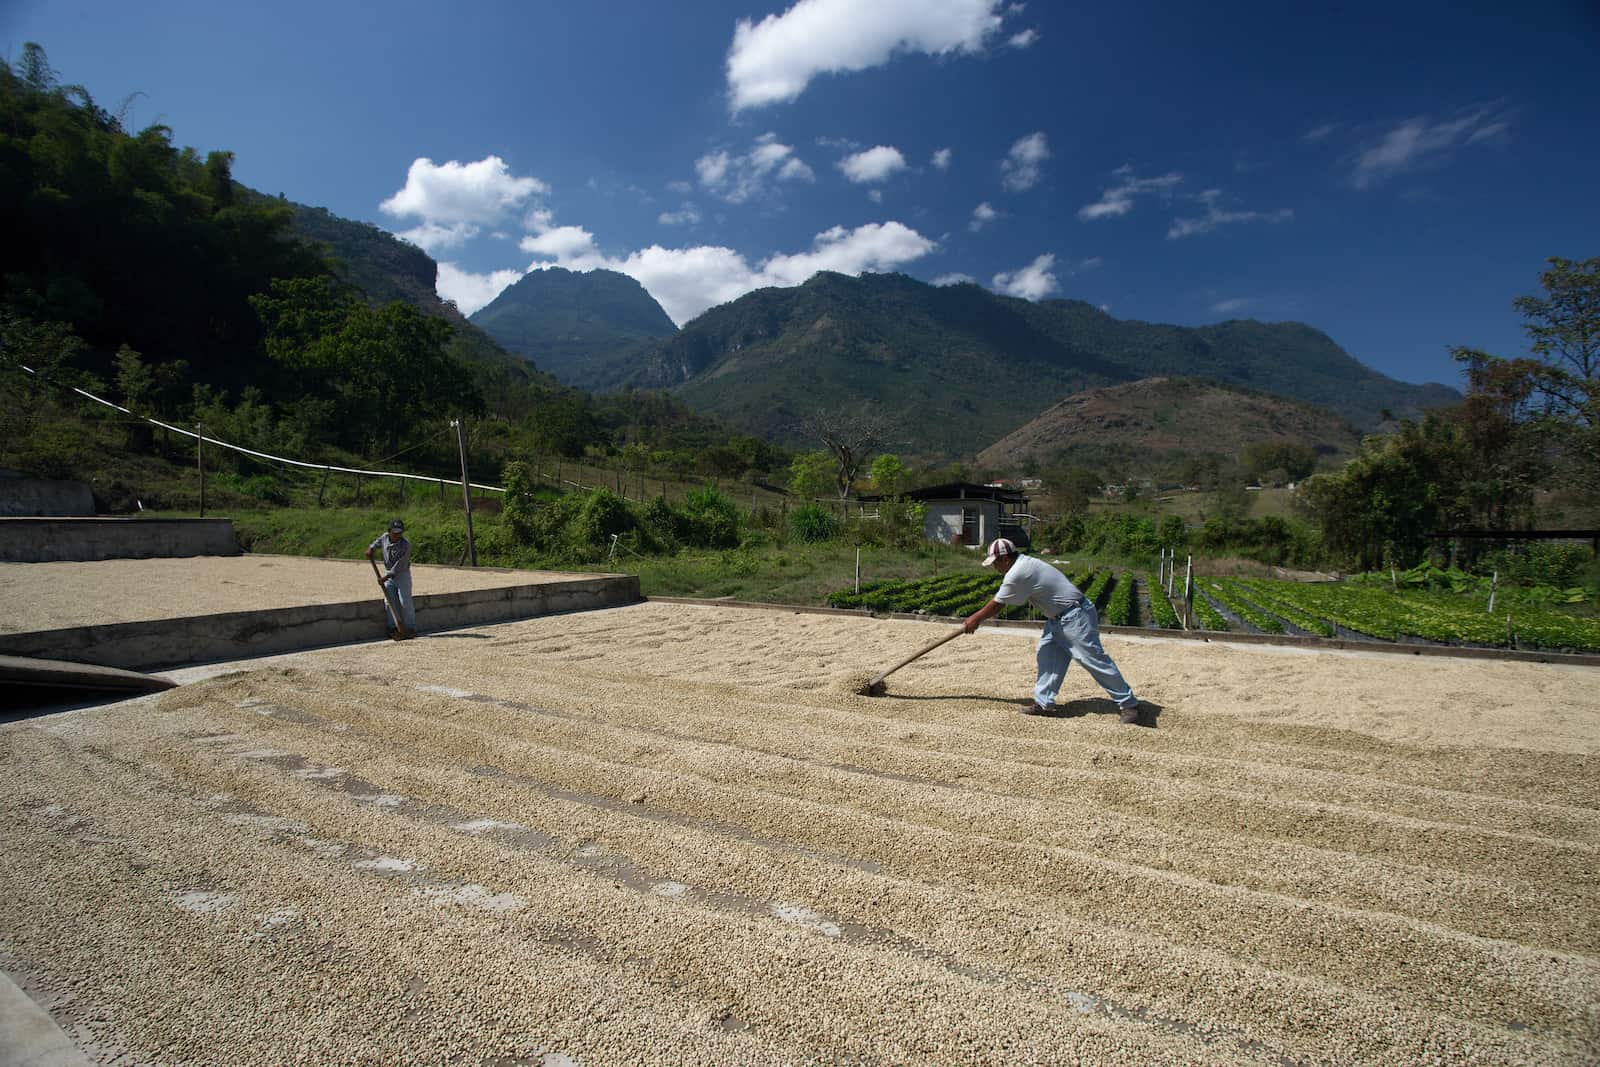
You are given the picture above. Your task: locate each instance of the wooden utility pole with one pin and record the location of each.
(466, 489)
(200, 462)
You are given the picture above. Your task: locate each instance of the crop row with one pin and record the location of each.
(1266, 595)
(1228, 597)
(1161, 612)
(1386, 614)
(963, 592)
(1122, 607)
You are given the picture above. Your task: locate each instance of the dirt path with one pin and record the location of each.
(672, 834)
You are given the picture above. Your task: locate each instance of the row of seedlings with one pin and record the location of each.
(1161, 612)
(1265, 594)
(1228, 598)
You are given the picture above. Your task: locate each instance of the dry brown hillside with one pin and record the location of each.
(1152, 421)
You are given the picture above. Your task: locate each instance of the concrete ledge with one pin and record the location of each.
(53, 540)
(158, 643)
(28, 1036)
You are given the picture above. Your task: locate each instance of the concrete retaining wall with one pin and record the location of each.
(36, 496)
(159, 643)
(50, 540)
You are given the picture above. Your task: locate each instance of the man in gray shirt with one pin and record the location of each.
(1071, 628)
(397, 563)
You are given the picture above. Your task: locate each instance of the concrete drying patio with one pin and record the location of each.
(146, 614)
(674, 834)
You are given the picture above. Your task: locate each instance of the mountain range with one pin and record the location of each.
(958, 366)
(955, 368)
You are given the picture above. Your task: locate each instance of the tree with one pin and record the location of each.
(390, 366)
(1547, 403)
(1293, 459)
(1072, 488)
(887, 473)
(850, 437)
(1565, 328)
(811, 475)
(1400, 488)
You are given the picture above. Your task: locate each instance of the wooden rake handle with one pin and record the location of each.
(917, 655)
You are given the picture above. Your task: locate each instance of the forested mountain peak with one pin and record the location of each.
(577, 325)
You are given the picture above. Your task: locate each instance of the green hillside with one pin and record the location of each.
(579, 326)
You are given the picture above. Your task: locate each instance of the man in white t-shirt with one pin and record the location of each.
(1071, 628)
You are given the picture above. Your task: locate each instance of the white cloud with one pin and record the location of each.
(941, 159)
(1023, 39)
(874, 246)
(1117, 199)
(1228, 307)
(981, 215)
(953, 278)
(1033, 282)
(874, 165)
(453, 193)
(680, 187)
(1216, 216)
(772, 61)
(687, 215)
(738, 179)
(1420, 142)
(875, 195)
(1319, 133)
(1020, 168)
(686, 281)
(566, 243)
(431, 236)
(469, 291)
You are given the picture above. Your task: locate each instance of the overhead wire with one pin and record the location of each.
(268, 456)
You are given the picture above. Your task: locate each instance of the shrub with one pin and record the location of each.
(709, 519)
(601, 515)
(520, 501)
(813, 524)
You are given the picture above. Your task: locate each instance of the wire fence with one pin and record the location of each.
(558, 472)
(267, 456)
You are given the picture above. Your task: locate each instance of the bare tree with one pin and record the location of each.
(850, 435)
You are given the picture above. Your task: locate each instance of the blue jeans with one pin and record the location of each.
(1075, 635)
(400, 589)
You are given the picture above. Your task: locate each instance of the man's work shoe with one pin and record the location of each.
(1036, 708)
(1130, 714)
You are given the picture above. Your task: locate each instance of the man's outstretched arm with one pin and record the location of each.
(979, 617)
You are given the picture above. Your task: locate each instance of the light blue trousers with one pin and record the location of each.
(1075, 635)
(400, 587)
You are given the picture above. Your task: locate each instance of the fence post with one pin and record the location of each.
(323, 487)
(1493, 582)
(466, 489)
(1188, 591)
(858, 568)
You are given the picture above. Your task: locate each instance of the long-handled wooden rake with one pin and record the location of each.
(875, 686)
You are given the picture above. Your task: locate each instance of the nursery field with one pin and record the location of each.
(1356, 610)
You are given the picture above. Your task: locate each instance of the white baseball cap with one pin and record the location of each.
(1000, 546)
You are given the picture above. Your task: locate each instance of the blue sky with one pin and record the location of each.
(1393, 174)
